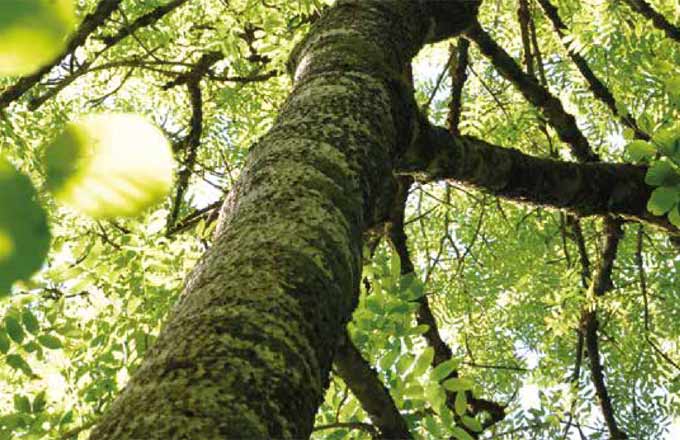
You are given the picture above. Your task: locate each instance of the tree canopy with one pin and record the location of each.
(524, 282)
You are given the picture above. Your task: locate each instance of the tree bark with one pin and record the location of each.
(595, 188)
(247, 351)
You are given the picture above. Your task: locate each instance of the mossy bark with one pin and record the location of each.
(247, 351)
(595, 188)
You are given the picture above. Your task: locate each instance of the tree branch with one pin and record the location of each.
(600, 285)
(190, 144)
(584, 189)
(523, 16)
(660, 22)
(458, 72)
(424, 315)
(142, 21)
(539, 96)
(366, 386)
(596, 86)
(91, 22)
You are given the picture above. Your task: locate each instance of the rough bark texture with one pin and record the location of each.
(584, 189)
(247, 351)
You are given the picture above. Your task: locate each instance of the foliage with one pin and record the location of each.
(505, 281)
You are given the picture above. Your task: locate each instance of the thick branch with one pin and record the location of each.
(523, 15)
(449, 18)
(659, 20)
(602, 281)
(584, 189)
(91, 22)
(144, 20)
(458, 71)
(208, 213)
(597, 371)
(600, 285)
(442, 352)
(366, 386)
(539, 96)
(596, 85)
(191, 144)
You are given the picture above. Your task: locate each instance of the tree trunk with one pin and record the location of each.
(247, 351)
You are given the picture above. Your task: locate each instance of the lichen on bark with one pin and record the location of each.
(247, 351)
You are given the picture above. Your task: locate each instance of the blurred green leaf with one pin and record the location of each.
(460, 404)
(662, 173)
(674, 215)
(4, 342)
(30, 321)
(423, 362)
(460, 434)
(49, 341)
(17, 362)
(458, 384)
(14, 329)
(24, 235)
(471, 423)
(109, 165)
(21, 403)
(32, 33)
(663, 199)
(639, 150)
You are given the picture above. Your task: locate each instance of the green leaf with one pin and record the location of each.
(411, 287)
(663, 199)
(553, 420)
(21, 403)
(404, 363)
(662, 173)
(374, 304)
(109, 165)
(388, 360)
(471, 423)
(398, 308)
(673, 85)
(435, 394)
(24, 235)
(39, 402)
(49, 341)
(414, 391)
(31, 347)
(442, 370)
(639, 150)
(456, 384)
(674, 215)
(395, 266)
(460, 434)
(668, 142)
(4, 342)
(30, 321)
(32, 33)
(14, 329)
(419, 329)
(18, 363)
(423, 362)
(460, 404)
